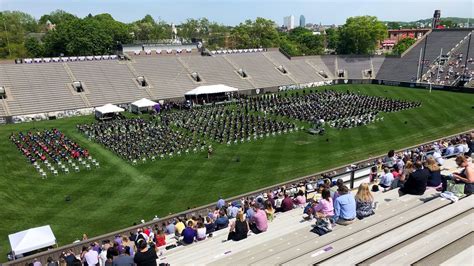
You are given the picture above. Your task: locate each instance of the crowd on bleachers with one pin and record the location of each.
(318, 199)
(450, 71)
(339, 109)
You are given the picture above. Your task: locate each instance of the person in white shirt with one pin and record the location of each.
(437, 156)
(91, 257)
(386, 179)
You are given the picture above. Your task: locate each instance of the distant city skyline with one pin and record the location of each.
(232, 12)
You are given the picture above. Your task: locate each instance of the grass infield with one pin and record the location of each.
(118, 194)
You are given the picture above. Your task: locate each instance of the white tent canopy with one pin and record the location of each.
(144, 102)
(109, 108)
(210, 89)
(32, 239)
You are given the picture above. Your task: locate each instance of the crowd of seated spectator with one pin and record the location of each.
(415, 169)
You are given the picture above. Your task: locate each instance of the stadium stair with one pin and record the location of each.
(283, 242)
(430, 241)
(394, 206)
(402, 228)
(249, 78)
(288, 74)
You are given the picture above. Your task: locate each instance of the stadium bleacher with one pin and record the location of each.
(30, 85)
(107, 82)
(298, 69)
(405, 68)
(262, 72)
(38, 88)
(216, 70)
(354, 66)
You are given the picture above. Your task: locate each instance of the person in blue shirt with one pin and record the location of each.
(222, 221)
(220, 203)
(189, 234)
(344, 207)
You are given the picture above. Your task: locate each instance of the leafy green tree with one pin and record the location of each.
(34, 47)
(332, 38)
(403, 45)
(56, 17)
(360, 35)
(259, 33)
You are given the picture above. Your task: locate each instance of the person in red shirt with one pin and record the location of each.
(287, 204)
(160, 238)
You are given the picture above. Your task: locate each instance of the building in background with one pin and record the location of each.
(289, 22)
(302, 21)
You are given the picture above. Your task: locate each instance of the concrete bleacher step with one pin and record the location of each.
(375, 230)
(450, 252)
(214, 248)
(430, 243)
(397, 207)
(281, 242)
(403, 231)
(463, 258)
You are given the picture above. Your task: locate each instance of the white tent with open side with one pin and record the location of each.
(100, 112)
(32, 239)
(142, 105)
(211, 89)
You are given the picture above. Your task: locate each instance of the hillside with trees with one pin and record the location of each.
(61, 33)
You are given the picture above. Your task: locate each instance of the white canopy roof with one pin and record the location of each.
(210, 89)
(32, 239)
(109, 108)
(144, 102)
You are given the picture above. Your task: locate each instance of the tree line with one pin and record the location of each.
(62, 33)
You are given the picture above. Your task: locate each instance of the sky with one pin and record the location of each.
(232, 12)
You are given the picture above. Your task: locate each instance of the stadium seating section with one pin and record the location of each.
(45, 85)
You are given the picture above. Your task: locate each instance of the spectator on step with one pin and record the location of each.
(344, 207)
(390, 159)
(437, 156)
(210, 225)
(124, 259)
(325, 207)
(466, 176)
(287, 203)
(179, 226)
(189, 234)
(334, 190)
(300, 200)
(386, 179)
(91, 257)
(259, 222)
(364, 202)
(269, 210)
(222, 221)
(220, 203)
(201, 231)
(435, 172)
(409, 168)
(373, 174)
(416, 181)
(239, 229)
(170, 229)
(233, 209)
(160, 238)
(146, 254)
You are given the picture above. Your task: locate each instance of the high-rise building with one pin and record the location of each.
(302, 21)
(289, 22)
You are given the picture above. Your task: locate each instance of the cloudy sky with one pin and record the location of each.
(232, 12)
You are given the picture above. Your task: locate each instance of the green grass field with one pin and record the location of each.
(118, 194)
